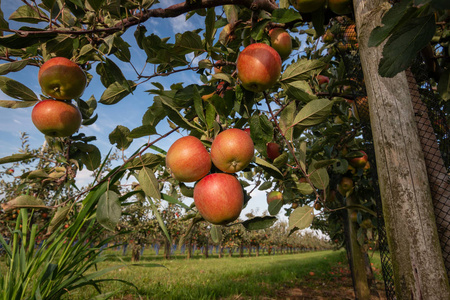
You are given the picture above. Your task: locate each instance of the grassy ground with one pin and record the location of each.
(313, 275)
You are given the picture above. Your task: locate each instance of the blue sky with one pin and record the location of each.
(128, 112)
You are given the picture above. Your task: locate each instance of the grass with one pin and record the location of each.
(263, 277)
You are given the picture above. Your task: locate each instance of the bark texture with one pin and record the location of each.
(419, 270)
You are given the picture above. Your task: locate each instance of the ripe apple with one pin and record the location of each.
(328, 37)
(62, 79)
(281, 41)
(232, 150)
(345, 185)
(359, 162)
(219, 198)
(273, 150)
(307, 6)
(340, 7)
(322, 79)
(294, 205)
(258, 67)
(56, 118)
(274, 195)
(317, 206)
(188, 160)
(247, 130)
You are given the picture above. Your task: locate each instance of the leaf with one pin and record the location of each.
(149, 183)
(120, 137)
(405, 42)
(186, 191)
(92, 159)
(318, 18)
(115, 92)
(286, 120)
(173, 200)
(148, 160)
(96, 4)
(231, 11)
(109, 210)
(444, 85)
(26, 14)
(259, 223)
(16, 90)
(313, 113)
(341, 166)
(282, 15)
(261, 132)
(301, 154)
(301, 218)
(299, 90)
(15, 158)
(319, 177)
(268, 167)
(302, 70)
(16, 41)
(59, 218)
(216, 234)
(178, 118)
(305, 188)
(325, 163)
(281, 160)
(275, 206)
(22, 202)
(16, 104)
(13, 66)
(190, 41)
(266, 185)
(141, 131)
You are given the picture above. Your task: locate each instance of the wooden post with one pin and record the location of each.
(419, 271)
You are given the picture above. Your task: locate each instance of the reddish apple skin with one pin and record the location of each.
(359, 162)
(258, 67)
(281, 41)
(62, 79)
(247, 130)
(232, 150)
(307, 6)
(56, 118)
(274, 195)
(345, 185)
(323, 79)
(219, 198)
(188, 160)
(273, 150)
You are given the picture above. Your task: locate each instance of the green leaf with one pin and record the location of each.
(149, 183)
(341, 166)
(16, 104)
(13, 66)
(299, 90)
(178, 118)
(120, 137)
(231, 12)
(186, 191)
(141, 131)
(286, 120)
(402, 47)
(173, 200)
(325, 163)
(92, 159)
(302, 70)
(96, 4)
(216, 234)
(444, 85)
(148, 160)
(275, 206)
(22, 202)
(282, 15)
(116, 92)
(15, 158)
(258, 29)
(16, 41)
(301, 154)
(318, 177)
(210, 21)
(190, 41)
(318, 18)
(281, 160)
(259, 223)
(305, 188)
(268, 167)
(59, 218)
(27, 14)
(16, 90)
(313, 113)
(266, 185)
(109, 210)
(261, 131)
(301, 218)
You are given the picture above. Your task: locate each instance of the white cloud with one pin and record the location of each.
(84, 177)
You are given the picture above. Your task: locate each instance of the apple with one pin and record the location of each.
(307, 6)
(10, 171)
(354, 216)
(219, 198)
(340, 7)
(294, 205)
(188, 160)
(359, 162)
(362, 106)
(258, 67)
(328, 37)
(281, 41)
(302, 180)
(62, 79)
(323, 79)
(274, 195)
(345, 185)
(232, 150)
(56, 118)
(273, 150)
(317, 206)
(44, 215)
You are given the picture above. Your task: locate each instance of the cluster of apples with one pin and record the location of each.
(62, 80)
(219, 197)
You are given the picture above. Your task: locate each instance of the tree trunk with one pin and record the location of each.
(257, 250)
(419, 271)
(356, 259)
(241, 249)
(167, 248)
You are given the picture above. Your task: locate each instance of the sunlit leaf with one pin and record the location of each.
(259, 223)
(301, 218)
(109, 210)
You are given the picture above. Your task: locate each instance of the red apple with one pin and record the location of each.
(219, 198)
(247, 130)
(323, 79)
(359, 162)
(258, 67)
(188, 160)
(62, 79)
(273, 150)
(345, 185)
(56, 118)
(340, 7)
(281, 41)
(232, 150)
(307, 6)
(274, 195)
(294, 205)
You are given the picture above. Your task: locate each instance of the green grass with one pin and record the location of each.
(215, 278)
